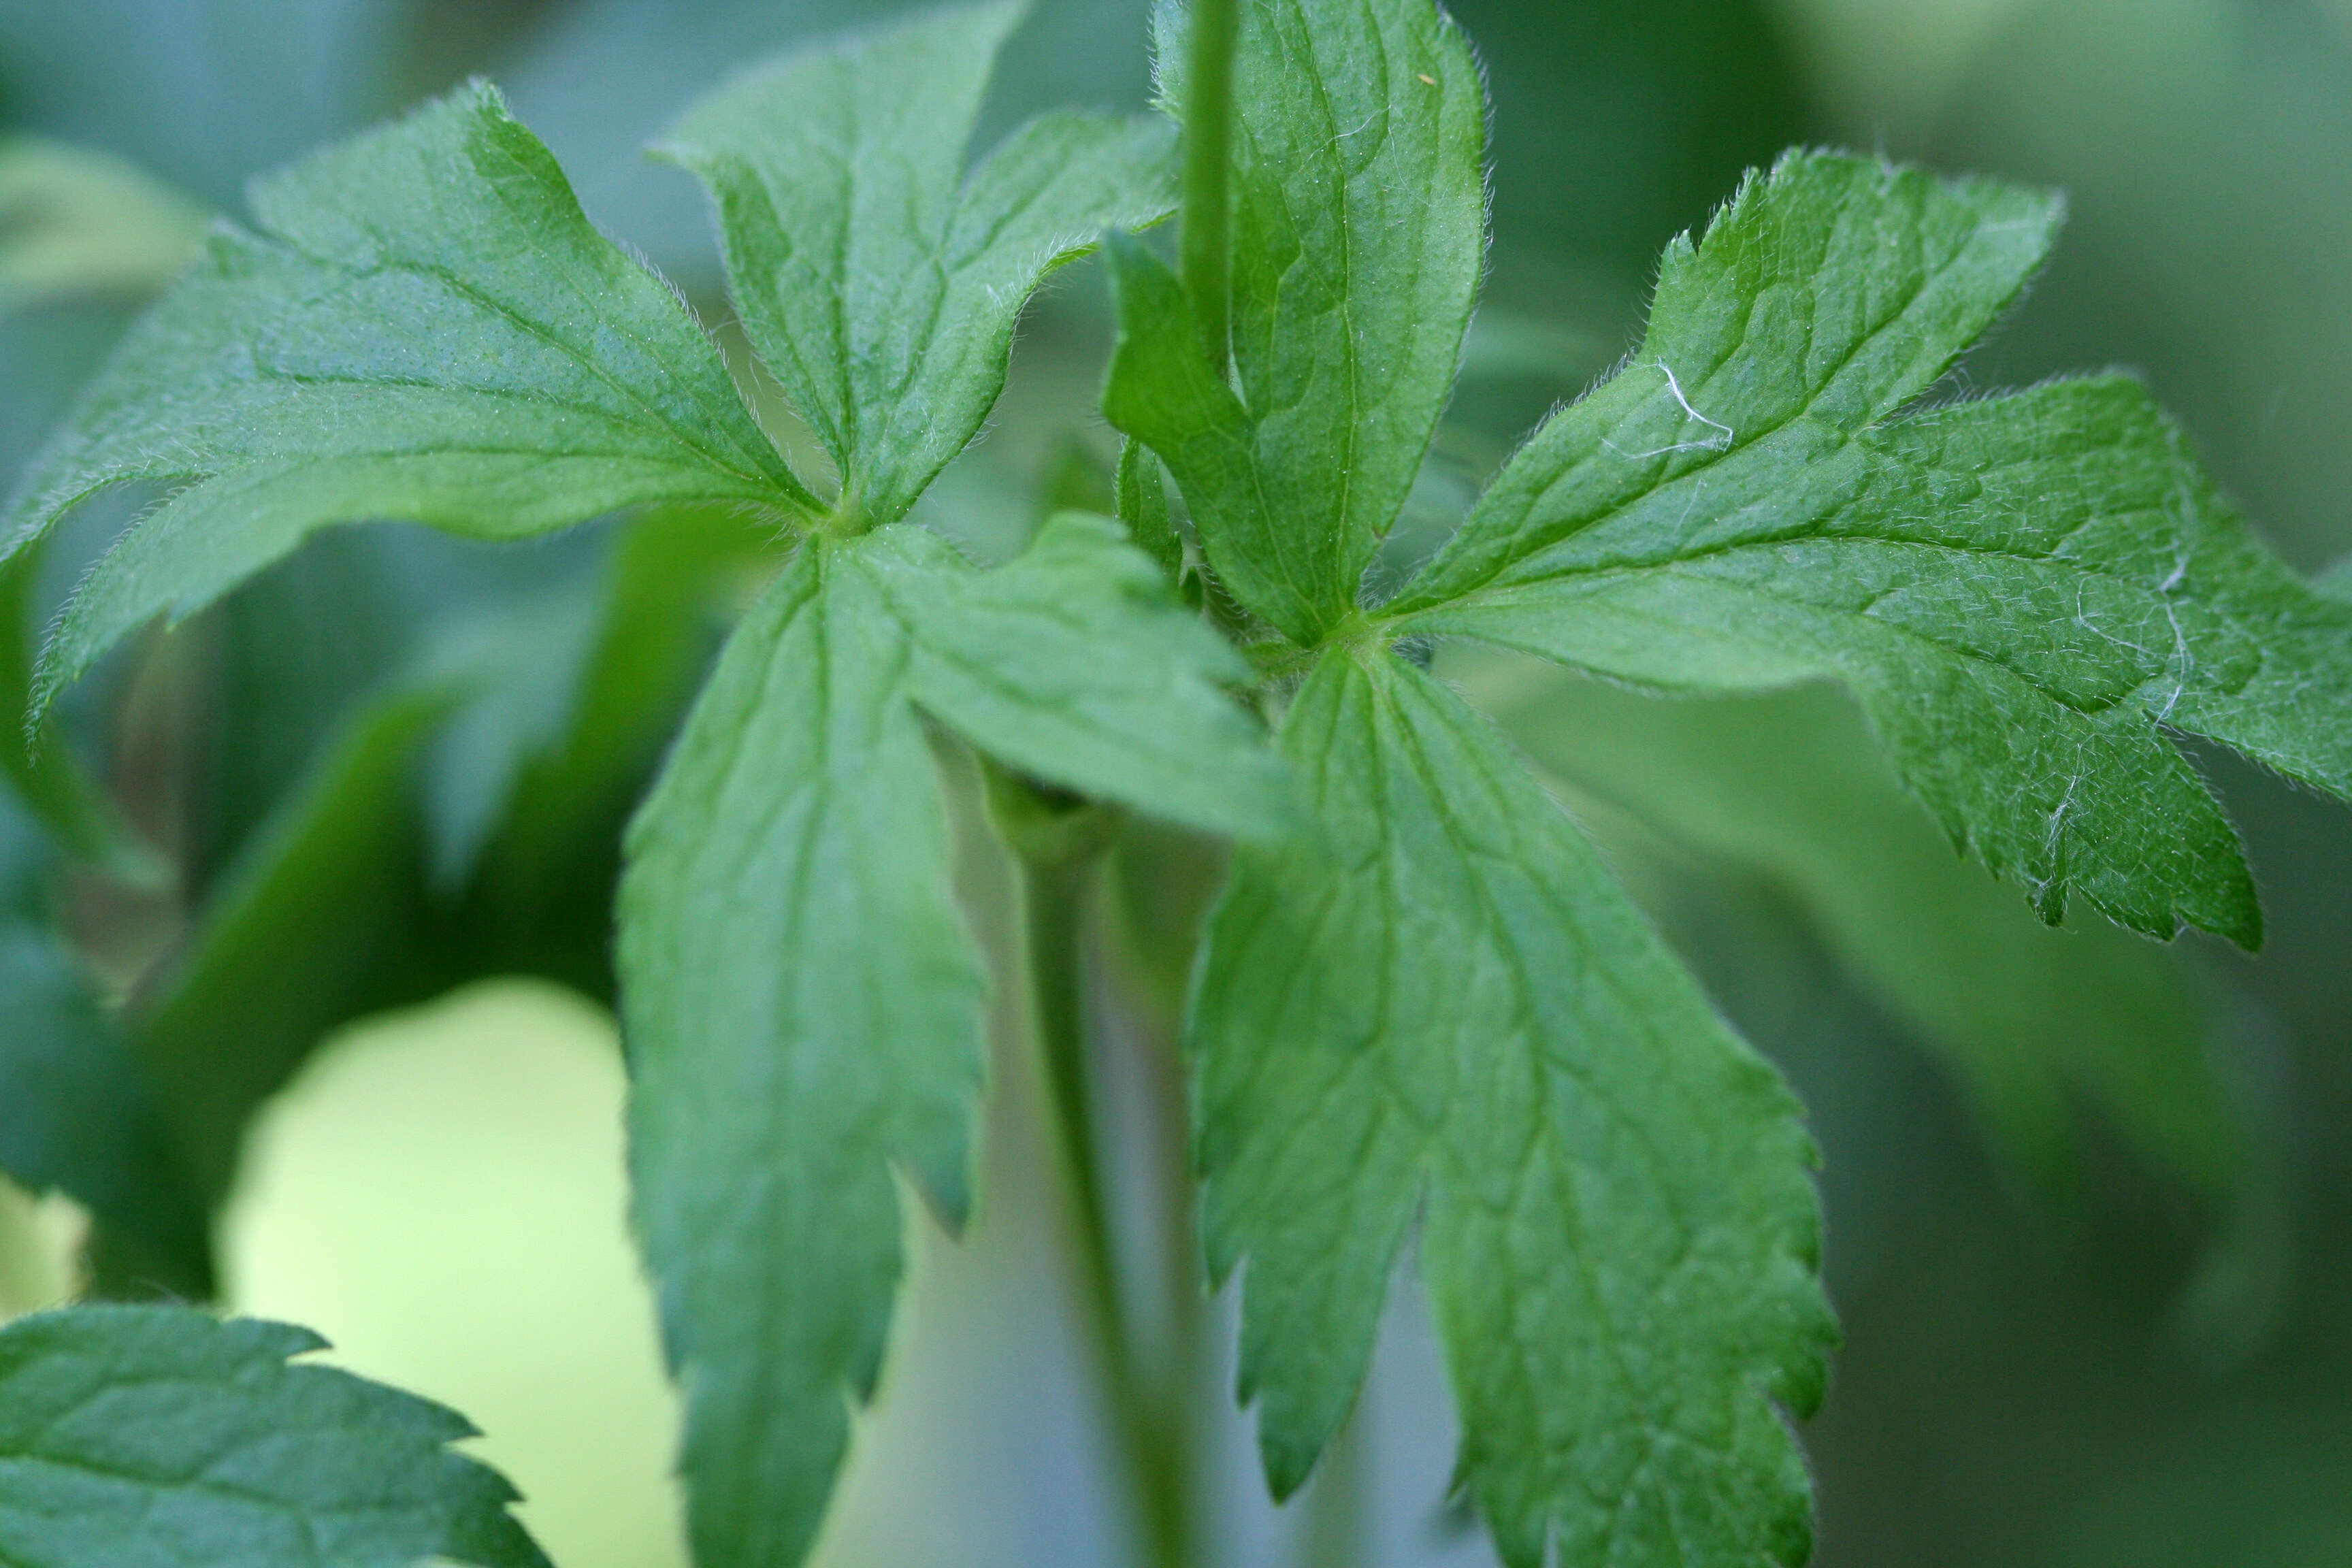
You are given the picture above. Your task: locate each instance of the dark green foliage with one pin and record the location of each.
(157, 1437)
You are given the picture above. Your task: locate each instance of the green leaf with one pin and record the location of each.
(425, 328)
(520, 662)
(802, 1013)
(800, 996)
(312, 925)
(1358, 229)
(78, 1112)
(2035, 1022)
(2023, 590)
(1142, 499)
(1074, 663)
(878, 280)
(49, 780)
(541, 897)
(77, 223)
(159, 1438)
(1447, 1009)
(2336, 581)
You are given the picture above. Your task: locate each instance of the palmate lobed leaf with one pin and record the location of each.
(425, 327)
(1444, 1007)
(800, 999)
(876, 278)
(1359, 231)
(158, 1437)
(1437, 1003)
(2025, 591)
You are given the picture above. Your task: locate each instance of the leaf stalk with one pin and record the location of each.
(1059, 840)
(1204, 246)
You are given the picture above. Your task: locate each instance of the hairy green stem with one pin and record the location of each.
(1206, 245)
(1058, 851)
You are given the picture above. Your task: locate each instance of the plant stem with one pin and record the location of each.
(1058, 859)
(1206, 245)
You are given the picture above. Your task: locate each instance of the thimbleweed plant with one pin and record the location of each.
(1423, 1012)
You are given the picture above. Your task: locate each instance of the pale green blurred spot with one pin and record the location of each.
(440, 1194)
(39, 1239)
(1892, 65)
(78, 224)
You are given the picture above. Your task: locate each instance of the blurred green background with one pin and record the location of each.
(2090, 1200)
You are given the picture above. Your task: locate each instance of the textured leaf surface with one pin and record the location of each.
(2035, 1022)
(801, 997)
(2023, 590)
(1447, 1009)
(803, 1006)
(1359, 231)
(425, 326)
(876, 277)
(1074, 662)
(49, 781)
(159, 1438)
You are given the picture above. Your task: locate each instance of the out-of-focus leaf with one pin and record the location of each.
(160, 1438)
(78, 1115)
(1615, 126)
(77, 1111)
(204, 93)
(1789, 786)
(878, 281)
(2336, 581)
(541, 896)
(312, 925)
(48, 779)
(77, 223)
(518, 665)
